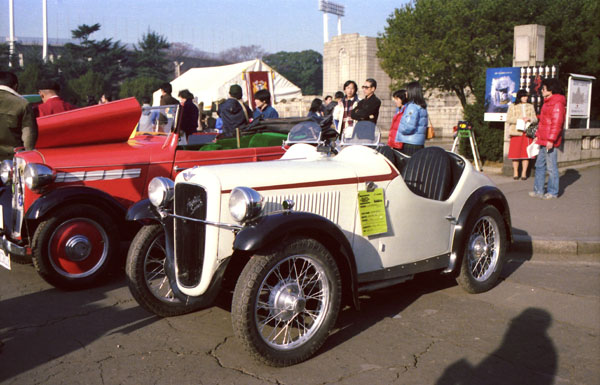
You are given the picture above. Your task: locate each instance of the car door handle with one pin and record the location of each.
(450, 219)
(177, 168)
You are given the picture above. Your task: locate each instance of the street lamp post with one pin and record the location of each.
(335, 9)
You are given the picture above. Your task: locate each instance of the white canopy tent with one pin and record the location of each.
(209, 84)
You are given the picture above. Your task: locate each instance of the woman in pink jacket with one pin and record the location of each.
(549, 137)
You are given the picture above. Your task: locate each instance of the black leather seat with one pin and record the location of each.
(428, 173)
(397, 158)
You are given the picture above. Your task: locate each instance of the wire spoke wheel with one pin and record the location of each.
(286, 301)
(485, 248)
(147, 278)
(154, 271)
(292, 302)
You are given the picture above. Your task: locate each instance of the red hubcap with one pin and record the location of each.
(78, 247)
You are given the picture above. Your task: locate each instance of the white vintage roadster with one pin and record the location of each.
(304, 235)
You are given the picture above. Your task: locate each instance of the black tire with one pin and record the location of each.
(75, 247)
(148, 281)
(485, 250)
(20, 259)
(287, 297)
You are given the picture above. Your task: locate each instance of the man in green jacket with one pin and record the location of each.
(18, 126)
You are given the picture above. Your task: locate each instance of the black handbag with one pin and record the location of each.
(531, 130)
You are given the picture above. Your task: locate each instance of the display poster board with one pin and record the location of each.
(501, 86)
(580, 92)
(579, 98)
(256, 81)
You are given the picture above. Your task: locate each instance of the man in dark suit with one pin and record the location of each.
(367, 108)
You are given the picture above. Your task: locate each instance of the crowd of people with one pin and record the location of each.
(408, 131)
(409, 125)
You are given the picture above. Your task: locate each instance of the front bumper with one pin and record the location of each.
(10, 247)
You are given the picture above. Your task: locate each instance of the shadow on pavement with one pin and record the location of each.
(568, 178)
(43, 326)
(521, 250)
(527, 342)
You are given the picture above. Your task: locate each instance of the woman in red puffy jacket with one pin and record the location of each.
(549, 136)
(400, 100)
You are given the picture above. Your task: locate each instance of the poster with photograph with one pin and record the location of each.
(501, 86)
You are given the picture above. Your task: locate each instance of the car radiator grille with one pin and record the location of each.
(190, 201)
(18, 197)
(325, 204)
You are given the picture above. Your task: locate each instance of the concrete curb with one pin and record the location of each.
(525, 243)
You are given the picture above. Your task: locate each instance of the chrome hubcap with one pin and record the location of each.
(78, 248)
(286, 300)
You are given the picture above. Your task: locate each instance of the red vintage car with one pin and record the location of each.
(64, 203)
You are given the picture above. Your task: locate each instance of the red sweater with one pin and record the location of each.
(394, 130)
(54, 105)
(551, 120)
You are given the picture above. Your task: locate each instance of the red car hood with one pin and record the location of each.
(106, 123)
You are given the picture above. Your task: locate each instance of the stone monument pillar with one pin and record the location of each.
(354, 57)
(528, 47)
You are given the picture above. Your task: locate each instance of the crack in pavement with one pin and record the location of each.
(417, 357)
(213, 353)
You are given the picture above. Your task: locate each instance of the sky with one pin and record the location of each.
(209, 25)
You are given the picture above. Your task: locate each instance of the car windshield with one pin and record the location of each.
(364, 133)
(305, 132)
(160, 119)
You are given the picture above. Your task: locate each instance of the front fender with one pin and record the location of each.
(275, 227)
(484, 195)
(142, 211)
(76, 194)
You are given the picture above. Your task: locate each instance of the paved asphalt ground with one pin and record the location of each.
(567, 225)
(540, 325)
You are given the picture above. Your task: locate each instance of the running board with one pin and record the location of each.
(406, 270)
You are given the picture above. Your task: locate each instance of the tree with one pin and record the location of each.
(139, 87)
(4, 56)
(107, 59)
(448, 45)
(150, 59)
(304, 68)
(89, 84)
(242, 53)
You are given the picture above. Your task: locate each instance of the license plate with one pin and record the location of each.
(4, 259)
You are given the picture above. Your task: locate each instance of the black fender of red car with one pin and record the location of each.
(482, 196)
(74, 195)
(277, 227)
(142, 211)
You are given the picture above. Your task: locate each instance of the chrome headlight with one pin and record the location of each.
(37, 176)
(245, 204)
(6, 171)
(160, 191)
